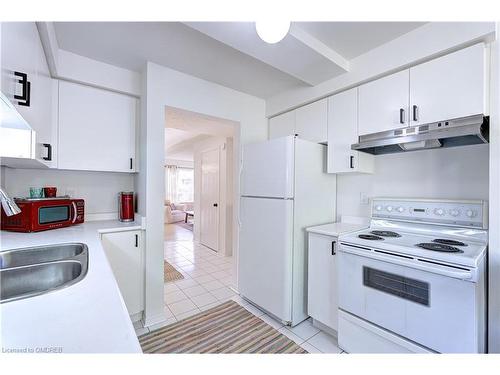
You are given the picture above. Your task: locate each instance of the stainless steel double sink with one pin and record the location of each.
(31, 271)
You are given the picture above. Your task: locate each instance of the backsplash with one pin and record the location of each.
(99, 189)
(454, 173)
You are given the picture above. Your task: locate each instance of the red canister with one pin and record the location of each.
(126, 205)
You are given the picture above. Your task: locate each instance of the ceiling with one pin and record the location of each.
(231, 53)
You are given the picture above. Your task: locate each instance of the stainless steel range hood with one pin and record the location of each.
(463, 131)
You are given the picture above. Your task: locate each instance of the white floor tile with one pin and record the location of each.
(203, 279)
(175, 296)
(325, 343)
(209, 306)
(296, 339)
(165, 323)
(223, 293)
(170, 287)
(221, 274)
(239, 300)
(168, 313)
(182, 307)
(254, 310)
(186, 283)
(187, 314)
(271, 321)
(204, 299)
(194, 291)
(309, 348)
(141, 331)
(213, 285)
(304, 330)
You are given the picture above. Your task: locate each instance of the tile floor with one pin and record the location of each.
(208, 282)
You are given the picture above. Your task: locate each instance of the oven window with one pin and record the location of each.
(410, 289)
(53, 214)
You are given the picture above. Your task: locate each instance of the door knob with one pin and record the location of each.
(215, 204)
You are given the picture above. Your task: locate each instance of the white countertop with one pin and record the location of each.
(336, 229)
(87, 317)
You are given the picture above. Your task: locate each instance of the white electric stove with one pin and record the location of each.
(414, 281)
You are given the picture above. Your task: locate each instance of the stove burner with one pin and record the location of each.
(370, 237)
(439, 247)
(385, 233)
(449, 242)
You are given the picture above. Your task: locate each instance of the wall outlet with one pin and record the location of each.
(364, 199)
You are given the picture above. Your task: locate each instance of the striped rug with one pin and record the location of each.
(227, 328)
(170, 273)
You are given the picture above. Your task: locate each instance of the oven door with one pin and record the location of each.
(432, 309)
(51, 214)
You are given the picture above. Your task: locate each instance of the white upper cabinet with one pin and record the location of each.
(96, 129)
(311, 121)
(383, 104)
(26, 82)
(282, 125)
(448, 87)
(342, 133)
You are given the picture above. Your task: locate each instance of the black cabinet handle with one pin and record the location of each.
(216, 205)
(131, 163)
(415, 113)
(136, 240)
(401, 116)
(351, 162)
(333, 247)
(25, 98)
(49, 151)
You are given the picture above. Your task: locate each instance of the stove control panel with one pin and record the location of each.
(445, 212)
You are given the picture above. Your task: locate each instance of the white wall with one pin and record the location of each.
(166, 87)
(454, 173)
(99, 189)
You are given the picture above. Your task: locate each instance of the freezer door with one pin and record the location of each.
(268, 168)
(265, 254)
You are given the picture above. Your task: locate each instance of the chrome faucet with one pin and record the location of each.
(9, 206)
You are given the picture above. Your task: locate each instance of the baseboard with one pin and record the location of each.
(324, 328)
(152, 320)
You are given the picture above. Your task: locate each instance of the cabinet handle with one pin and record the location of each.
(25, 98)
(131, 163)
(401, 116)
(415, 113)
(136, 240)
(49, 151)
(351, 162)
(333, 247)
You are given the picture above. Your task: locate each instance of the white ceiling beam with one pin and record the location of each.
(319, 47)
(50, 46)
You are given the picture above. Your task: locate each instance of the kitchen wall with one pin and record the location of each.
(99, 189)
(454, 173)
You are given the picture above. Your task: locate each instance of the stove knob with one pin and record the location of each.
(439, 211)
(378, 208)
(454, 212)
(400, 209)
(389, 208)
(470, 213)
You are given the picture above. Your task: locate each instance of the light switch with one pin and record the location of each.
(364, 199)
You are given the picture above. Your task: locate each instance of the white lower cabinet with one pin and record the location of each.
(125, 253)
(322, 302)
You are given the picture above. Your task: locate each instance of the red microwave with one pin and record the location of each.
(44, 213)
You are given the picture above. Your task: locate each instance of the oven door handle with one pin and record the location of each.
(75, 213)
(468, 275)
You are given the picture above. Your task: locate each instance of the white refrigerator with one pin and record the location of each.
(285, 189)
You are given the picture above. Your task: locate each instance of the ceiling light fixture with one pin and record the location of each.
(272, 31)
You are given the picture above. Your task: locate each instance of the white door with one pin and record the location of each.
(209, 233)
(268, 168)
(448, 87)
(265, 254)
(322, 302)
(282, 125)
(311, 121)
(96, 129)
(125, 255)
(383, 104)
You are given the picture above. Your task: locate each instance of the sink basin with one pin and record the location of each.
(40, 254)
(33, 271)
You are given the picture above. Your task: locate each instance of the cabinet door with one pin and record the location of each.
(96, 129)
(322, 279)
(311, 121)
(282, 125)
(383, 104)
(124, 251)
(22, 52)
(342, 133)
(448, 87)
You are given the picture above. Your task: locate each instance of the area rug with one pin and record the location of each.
(170, 273)
(227, 328)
